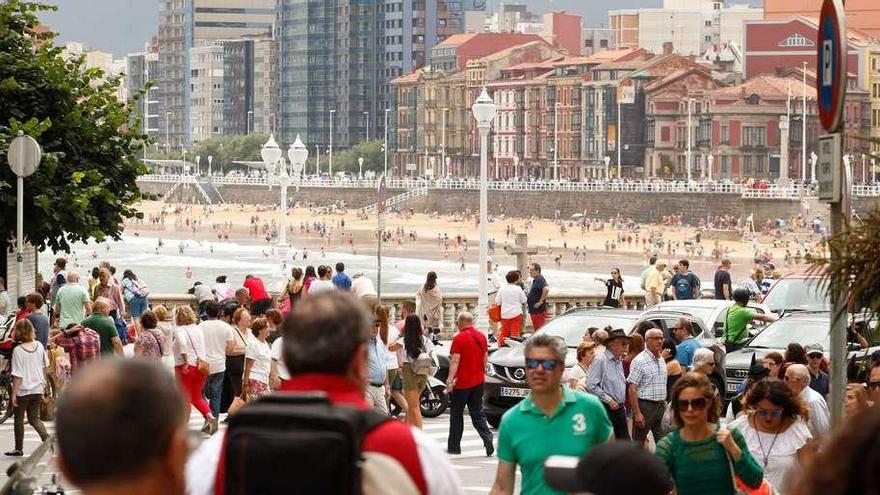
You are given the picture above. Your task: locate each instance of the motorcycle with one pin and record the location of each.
(434, 399)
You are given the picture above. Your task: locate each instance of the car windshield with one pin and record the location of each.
(572, 327)
(797, 294)
(704, 314)
(785, 331)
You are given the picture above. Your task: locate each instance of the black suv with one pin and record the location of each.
(506, 373)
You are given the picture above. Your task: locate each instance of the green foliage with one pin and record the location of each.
(86, 183)
(223, 149)
(347, 160)
(857, 266)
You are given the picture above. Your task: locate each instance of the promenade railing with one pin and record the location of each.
(744, 190)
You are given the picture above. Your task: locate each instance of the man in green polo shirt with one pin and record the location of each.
(737, 319)
(552, 420)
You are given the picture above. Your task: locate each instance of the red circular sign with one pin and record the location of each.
(831, 65)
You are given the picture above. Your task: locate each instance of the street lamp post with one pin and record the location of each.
(360, 167)
(689, 130)
(556, 141)
(443, 162)
(318, 160)
(804, 126)
(198, 165)
(167, 129)
(23, 156)
(607, 162)
(484, 112)
(210, 159)
(250, 120)
(813, 159)
(367, 118)
(386, 142)
(330, 163)
(183, 152)
(710, 159)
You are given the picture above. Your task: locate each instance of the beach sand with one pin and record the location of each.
(359, 235)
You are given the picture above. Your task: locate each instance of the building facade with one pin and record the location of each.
(863, 15)
(141, 69)
(206, 95)
(185, 24)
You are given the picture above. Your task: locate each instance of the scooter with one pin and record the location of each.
(434, 399)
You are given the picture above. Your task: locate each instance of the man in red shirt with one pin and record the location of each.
(467, 372)
(325, 350)
(260, 300)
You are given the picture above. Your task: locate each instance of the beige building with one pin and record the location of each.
(206, 93)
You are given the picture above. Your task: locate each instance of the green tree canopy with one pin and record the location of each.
(85, 186)
(347, 160)
(223, 149)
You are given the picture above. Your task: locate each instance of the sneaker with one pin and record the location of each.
(490, 449)
(453, 452)
(14, 453)
(206, 428)
(215, 425)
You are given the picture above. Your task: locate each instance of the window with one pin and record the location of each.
(725, 133)
(664, 134)
(725, 164)
(796, 39)
(747, 165)
(754, 136)
(588, 43)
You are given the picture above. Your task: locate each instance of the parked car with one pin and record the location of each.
(506, 370)
(711, 312)
(797, 292)
(805, 328)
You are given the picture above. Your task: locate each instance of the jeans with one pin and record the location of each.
(618, 421)
(29, 404)
(213, 391)
(473, 398)
(137, 306)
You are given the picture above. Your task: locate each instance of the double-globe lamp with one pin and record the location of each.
(272, 156)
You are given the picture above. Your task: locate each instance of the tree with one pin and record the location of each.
(224, 150)
(372, 153)
(86, 184)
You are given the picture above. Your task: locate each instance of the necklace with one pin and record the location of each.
(766, 455)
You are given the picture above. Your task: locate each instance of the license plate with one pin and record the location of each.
(514, 392)
(731, 387)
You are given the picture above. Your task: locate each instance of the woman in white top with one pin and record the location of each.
(775, 431)
(430, 304)
(167, 327)
(575, 378)
(511, 298)
(388, 334)
(413, 343)
(189, 349)
(29, 363)
(257, 362)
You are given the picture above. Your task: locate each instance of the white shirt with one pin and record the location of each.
(223, 291)
(277, 346)
(393, 335)
(820, 416)
(29, 362)
(216, 334)
(319, 286)
(188, 340)
(511, 298)
(390, 357)
(782, 457)
(495, 281)
(362, 286)
(429, 347)
(261, 353)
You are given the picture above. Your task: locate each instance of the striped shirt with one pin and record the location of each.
(648, 374)
(606, 379)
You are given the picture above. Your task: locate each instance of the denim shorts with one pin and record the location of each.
(138, 305)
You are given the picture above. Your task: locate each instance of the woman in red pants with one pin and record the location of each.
(189, 349)
(511, 298)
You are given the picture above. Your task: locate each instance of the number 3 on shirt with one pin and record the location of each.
(580, 423)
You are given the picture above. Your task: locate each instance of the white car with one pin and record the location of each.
(711, 312)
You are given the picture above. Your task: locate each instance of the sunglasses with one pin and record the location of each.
(697, 404)
(873, 385)
(547, 364)
(768, 414)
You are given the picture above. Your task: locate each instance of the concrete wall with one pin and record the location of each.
(642, 207)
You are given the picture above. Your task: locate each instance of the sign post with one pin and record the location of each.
(380, 233)
(24, 157)
(831, 94)
(626, 94)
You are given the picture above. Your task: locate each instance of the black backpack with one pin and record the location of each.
(290, 442)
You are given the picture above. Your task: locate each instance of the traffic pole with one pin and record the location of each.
(839, 317)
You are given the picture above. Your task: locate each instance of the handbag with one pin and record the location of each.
(494, 313)
(201, 364)
(740, 488)
(47, 406)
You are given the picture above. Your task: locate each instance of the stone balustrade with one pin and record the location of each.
(453, 303)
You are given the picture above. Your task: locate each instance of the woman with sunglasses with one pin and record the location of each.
(775, 430)
(698, 452)
(614, 285)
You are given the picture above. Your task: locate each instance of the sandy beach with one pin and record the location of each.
(562, 244)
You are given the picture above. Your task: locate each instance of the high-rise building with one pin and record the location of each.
(265, 87)
(689, 27)
(337, 58)
(238, 86)
(185, 24)
(206, 103)
(143, 68)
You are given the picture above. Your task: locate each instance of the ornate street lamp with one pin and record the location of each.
(484, 110)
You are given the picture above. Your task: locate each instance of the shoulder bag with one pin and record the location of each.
(201, 364)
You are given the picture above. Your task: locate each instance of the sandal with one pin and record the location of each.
(14, 453)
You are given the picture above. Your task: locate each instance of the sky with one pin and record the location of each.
(123, 26)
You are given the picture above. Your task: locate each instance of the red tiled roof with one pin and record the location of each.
(412, 77)
(455, 40)
(767, 86)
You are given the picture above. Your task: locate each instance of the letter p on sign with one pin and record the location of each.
(828, 74)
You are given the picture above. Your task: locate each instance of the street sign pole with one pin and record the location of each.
(24, 156)
(831, 94)
(380, 233)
